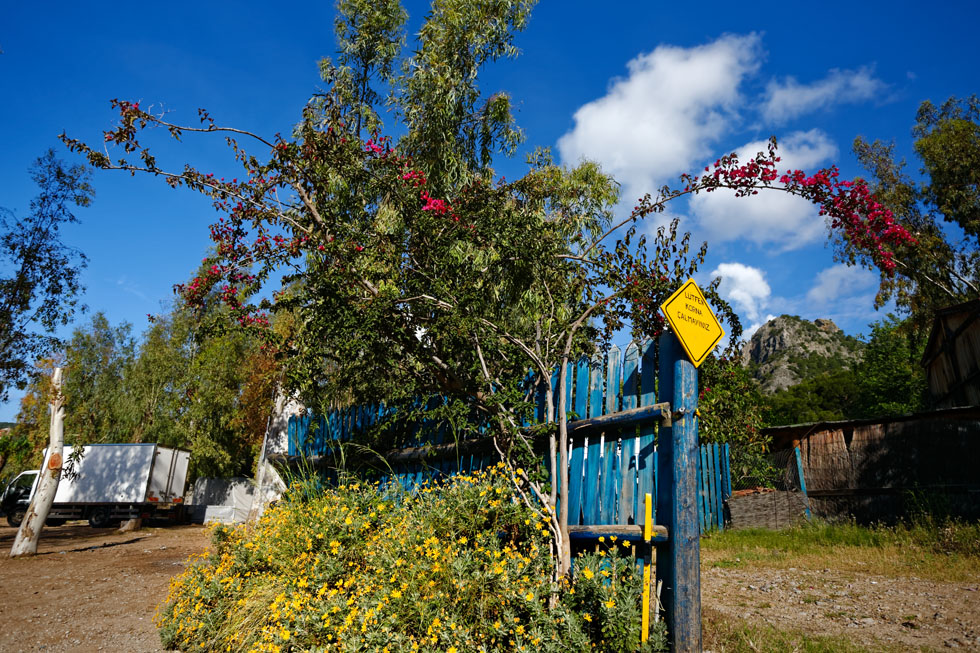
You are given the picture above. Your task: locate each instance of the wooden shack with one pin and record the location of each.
(952, 356)
(886, 468)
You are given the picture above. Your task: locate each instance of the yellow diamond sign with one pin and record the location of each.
(692, 321)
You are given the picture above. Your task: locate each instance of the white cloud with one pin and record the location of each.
(664, 117)
(743, 286)
(788, 99)
(771, 216)
(839, 281)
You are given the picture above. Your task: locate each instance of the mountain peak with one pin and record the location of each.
(788, 349)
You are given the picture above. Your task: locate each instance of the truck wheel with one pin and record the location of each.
(100, 518)
(16, 517)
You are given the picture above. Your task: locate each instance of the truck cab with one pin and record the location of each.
(17, 497)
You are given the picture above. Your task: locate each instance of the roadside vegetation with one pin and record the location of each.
(459, 567)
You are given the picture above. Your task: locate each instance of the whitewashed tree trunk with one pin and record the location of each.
(565, 554)
(25, 544)
(269, 486)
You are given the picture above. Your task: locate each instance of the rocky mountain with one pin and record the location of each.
(788, 349)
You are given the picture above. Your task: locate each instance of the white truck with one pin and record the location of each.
(110, 483)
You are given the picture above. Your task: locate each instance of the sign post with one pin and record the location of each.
(694, 331)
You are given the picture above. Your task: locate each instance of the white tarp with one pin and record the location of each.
(222, 499)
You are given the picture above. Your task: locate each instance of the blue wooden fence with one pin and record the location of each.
(596, 469)
(614, 461)
(714, 485)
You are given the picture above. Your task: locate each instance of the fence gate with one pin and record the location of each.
(636, 435)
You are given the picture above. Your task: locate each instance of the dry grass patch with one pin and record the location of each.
(726, 635)
(948, 552)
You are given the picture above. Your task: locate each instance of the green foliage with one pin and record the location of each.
(800, 539)
(828, 397)
(207, 390)
(890, 378)
(730, 403)
(812, 365)
(30, 435)
(731, 409)
(942, 536)
(948, 143)
(940, 268)
(925, 545)
(14, 447)
(98, 358)
(463, 567)
(39, 275)
(605, 587)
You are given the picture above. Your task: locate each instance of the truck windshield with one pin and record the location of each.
(24, 480)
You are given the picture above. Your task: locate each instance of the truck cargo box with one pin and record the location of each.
(108, 483)
(124, 473)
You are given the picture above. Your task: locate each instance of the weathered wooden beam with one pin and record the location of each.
(799, 470)
(631, 532)
(626, 418)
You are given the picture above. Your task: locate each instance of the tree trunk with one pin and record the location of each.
(268, 484)
(565, 565)
(549, 417)
(25, 543)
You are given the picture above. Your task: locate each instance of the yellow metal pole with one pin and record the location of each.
(647, 534)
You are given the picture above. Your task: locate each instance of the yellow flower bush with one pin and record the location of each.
(457, 566)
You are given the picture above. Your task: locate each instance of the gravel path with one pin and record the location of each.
(908, 612)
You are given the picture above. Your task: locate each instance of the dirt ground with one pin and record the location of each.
(908, 613)
(90, 589)
(97, 590)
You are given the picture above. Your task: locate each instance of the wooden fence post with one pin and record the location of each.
(678, 560)
(799, 470)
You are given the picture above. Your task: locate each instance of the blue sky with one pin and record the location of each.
(650, 90)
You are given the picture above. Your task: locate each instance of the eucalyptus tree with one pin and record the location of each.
(40, 281)
(29, 532)
(98, 358)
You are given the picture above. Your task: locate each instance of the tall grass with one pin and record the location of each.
(938, 550)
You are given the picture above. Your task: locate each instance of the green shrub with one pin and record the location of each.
(459, 567)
